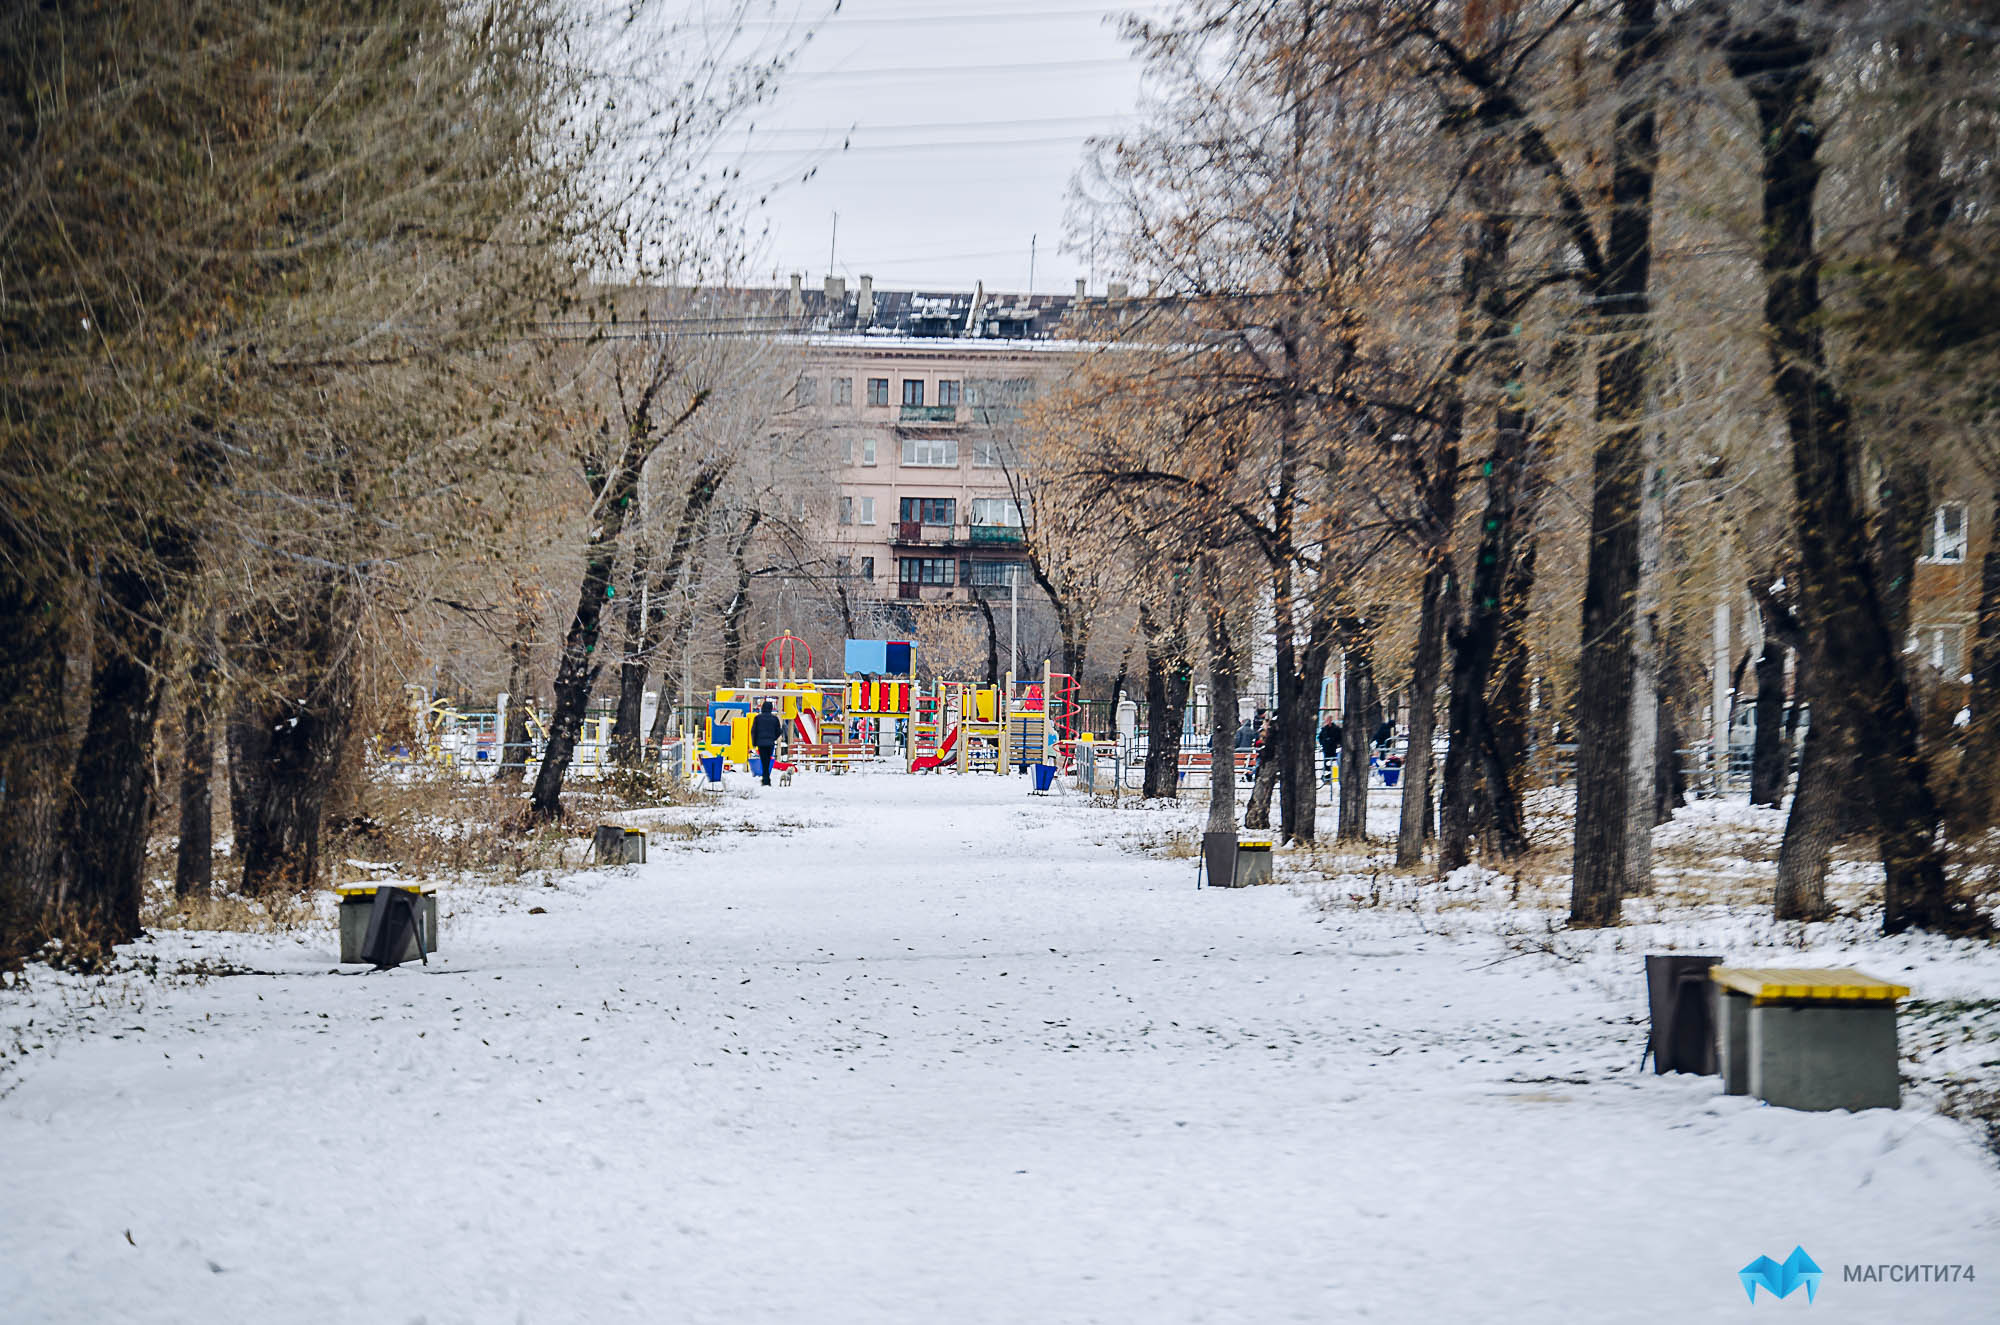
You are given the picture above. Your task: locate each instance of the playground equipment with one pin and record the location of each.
(833, 723)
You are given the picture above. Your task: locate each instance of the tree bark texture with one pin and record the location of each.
(627, 742)
(1770, 756)
(1611, 578)
(287, 733)
(515, 745)
(36, 756)
(1223, 665)
(1166, 699)
(1359, 705)
(737, 609)
(1813, 826)
(1975, 794)
(1423, 717)
(194, 857)
(1859, 683)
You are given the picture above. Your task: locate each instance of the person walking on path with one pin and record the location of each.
(764, 733)
(1329, 747)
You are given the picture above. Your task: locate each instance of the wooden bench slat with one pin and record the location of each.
(1775, 984)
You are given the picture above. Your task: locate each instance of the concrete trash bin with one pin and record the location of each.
(617, 845)
(357, 908)
(1681, 998)
(1810, 1039)
(1253, 864)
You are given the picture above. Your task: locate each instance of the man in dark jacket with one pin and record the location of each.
(1329, 746)
(764, 733)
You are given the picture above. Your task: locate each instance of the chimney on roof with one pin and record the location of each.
(1079, 287)
(836, 293)
(864, 316)
(797, 303)
(1117, 290)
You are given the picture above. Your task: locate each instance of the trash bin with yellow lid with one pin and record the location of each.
(357, 908)
(1253, 862)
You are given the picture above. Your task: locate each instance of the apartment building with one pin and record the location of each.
(921, 395)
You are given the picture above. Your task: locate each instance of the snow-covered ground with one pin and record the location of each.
(895, 1049)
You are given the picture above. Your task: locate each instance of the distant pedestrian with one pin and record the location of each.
(764, 734)
(1384, 733)
(1329, 746)
(1246, 735)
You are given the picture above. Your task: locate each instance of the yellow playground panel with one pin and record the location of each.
(797, 703)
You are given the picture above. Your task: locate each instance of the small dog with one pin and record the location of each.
(784, 777)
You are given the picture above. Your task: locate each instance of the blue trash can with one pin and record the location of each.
(711, 767)
(756, 767)
(1390, 774)
(1045, 776)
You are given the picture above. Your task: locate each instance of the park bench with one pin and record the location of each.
(1808, 1038)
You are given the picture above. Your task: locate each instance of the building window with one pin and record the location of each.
(1944, 539)
(843, 390)
(1942, 646)
(868, 450)
(986, 453)
(878, 390)
(868, 510)
(947, 392)
(929, 510)
(931, 452)
(996, 510)
(997, 574)
(927, 570)
(807, 391)
(913, 391)
(847, 510)
(868, 568)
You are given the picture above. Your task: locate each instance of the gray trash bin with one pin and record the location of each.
(1682, 1000)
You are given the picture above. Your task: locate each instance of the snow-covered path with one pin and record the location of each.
(929, 1050)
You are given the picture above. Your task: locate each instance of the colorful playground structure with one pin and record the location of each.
(879, 713)
(876, 713)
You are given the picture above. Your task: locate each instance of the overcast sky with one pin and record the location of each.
(964, 120)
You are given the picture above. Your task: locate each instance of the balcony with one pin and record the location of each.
(929, 414)
(983, 534)
(928, 535)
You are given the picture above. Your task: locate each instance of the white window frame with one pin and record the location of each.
(842, 390)
(867, 510)
(868, 450)
(1942, 545)
(847, 510)
(1009, 512)
(930, 452)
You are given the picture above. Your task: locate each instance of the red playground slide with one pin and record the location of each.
(928, 763)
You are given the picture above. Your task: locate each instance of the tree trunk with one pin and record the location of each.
(1813, 826)
(1166, 700)
(194, 858)
(1976, 791)
(1858, 683)
(36, 756)
(737, 609)
(515, 745)
(1359, 704)
(111, 806)
(1770, 757)
(1641, 767)
(992, 639)
(627, 741)
(1257, 814)
(1604, 672)
(1423, 716)
(287, 733)
(1222, 668)
(578, 666)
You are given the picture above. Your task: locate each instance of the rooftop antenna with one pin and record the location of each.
(1031, 262)
(832, 241)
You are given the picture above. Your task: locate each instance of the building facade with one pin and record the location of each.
(921, 397)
